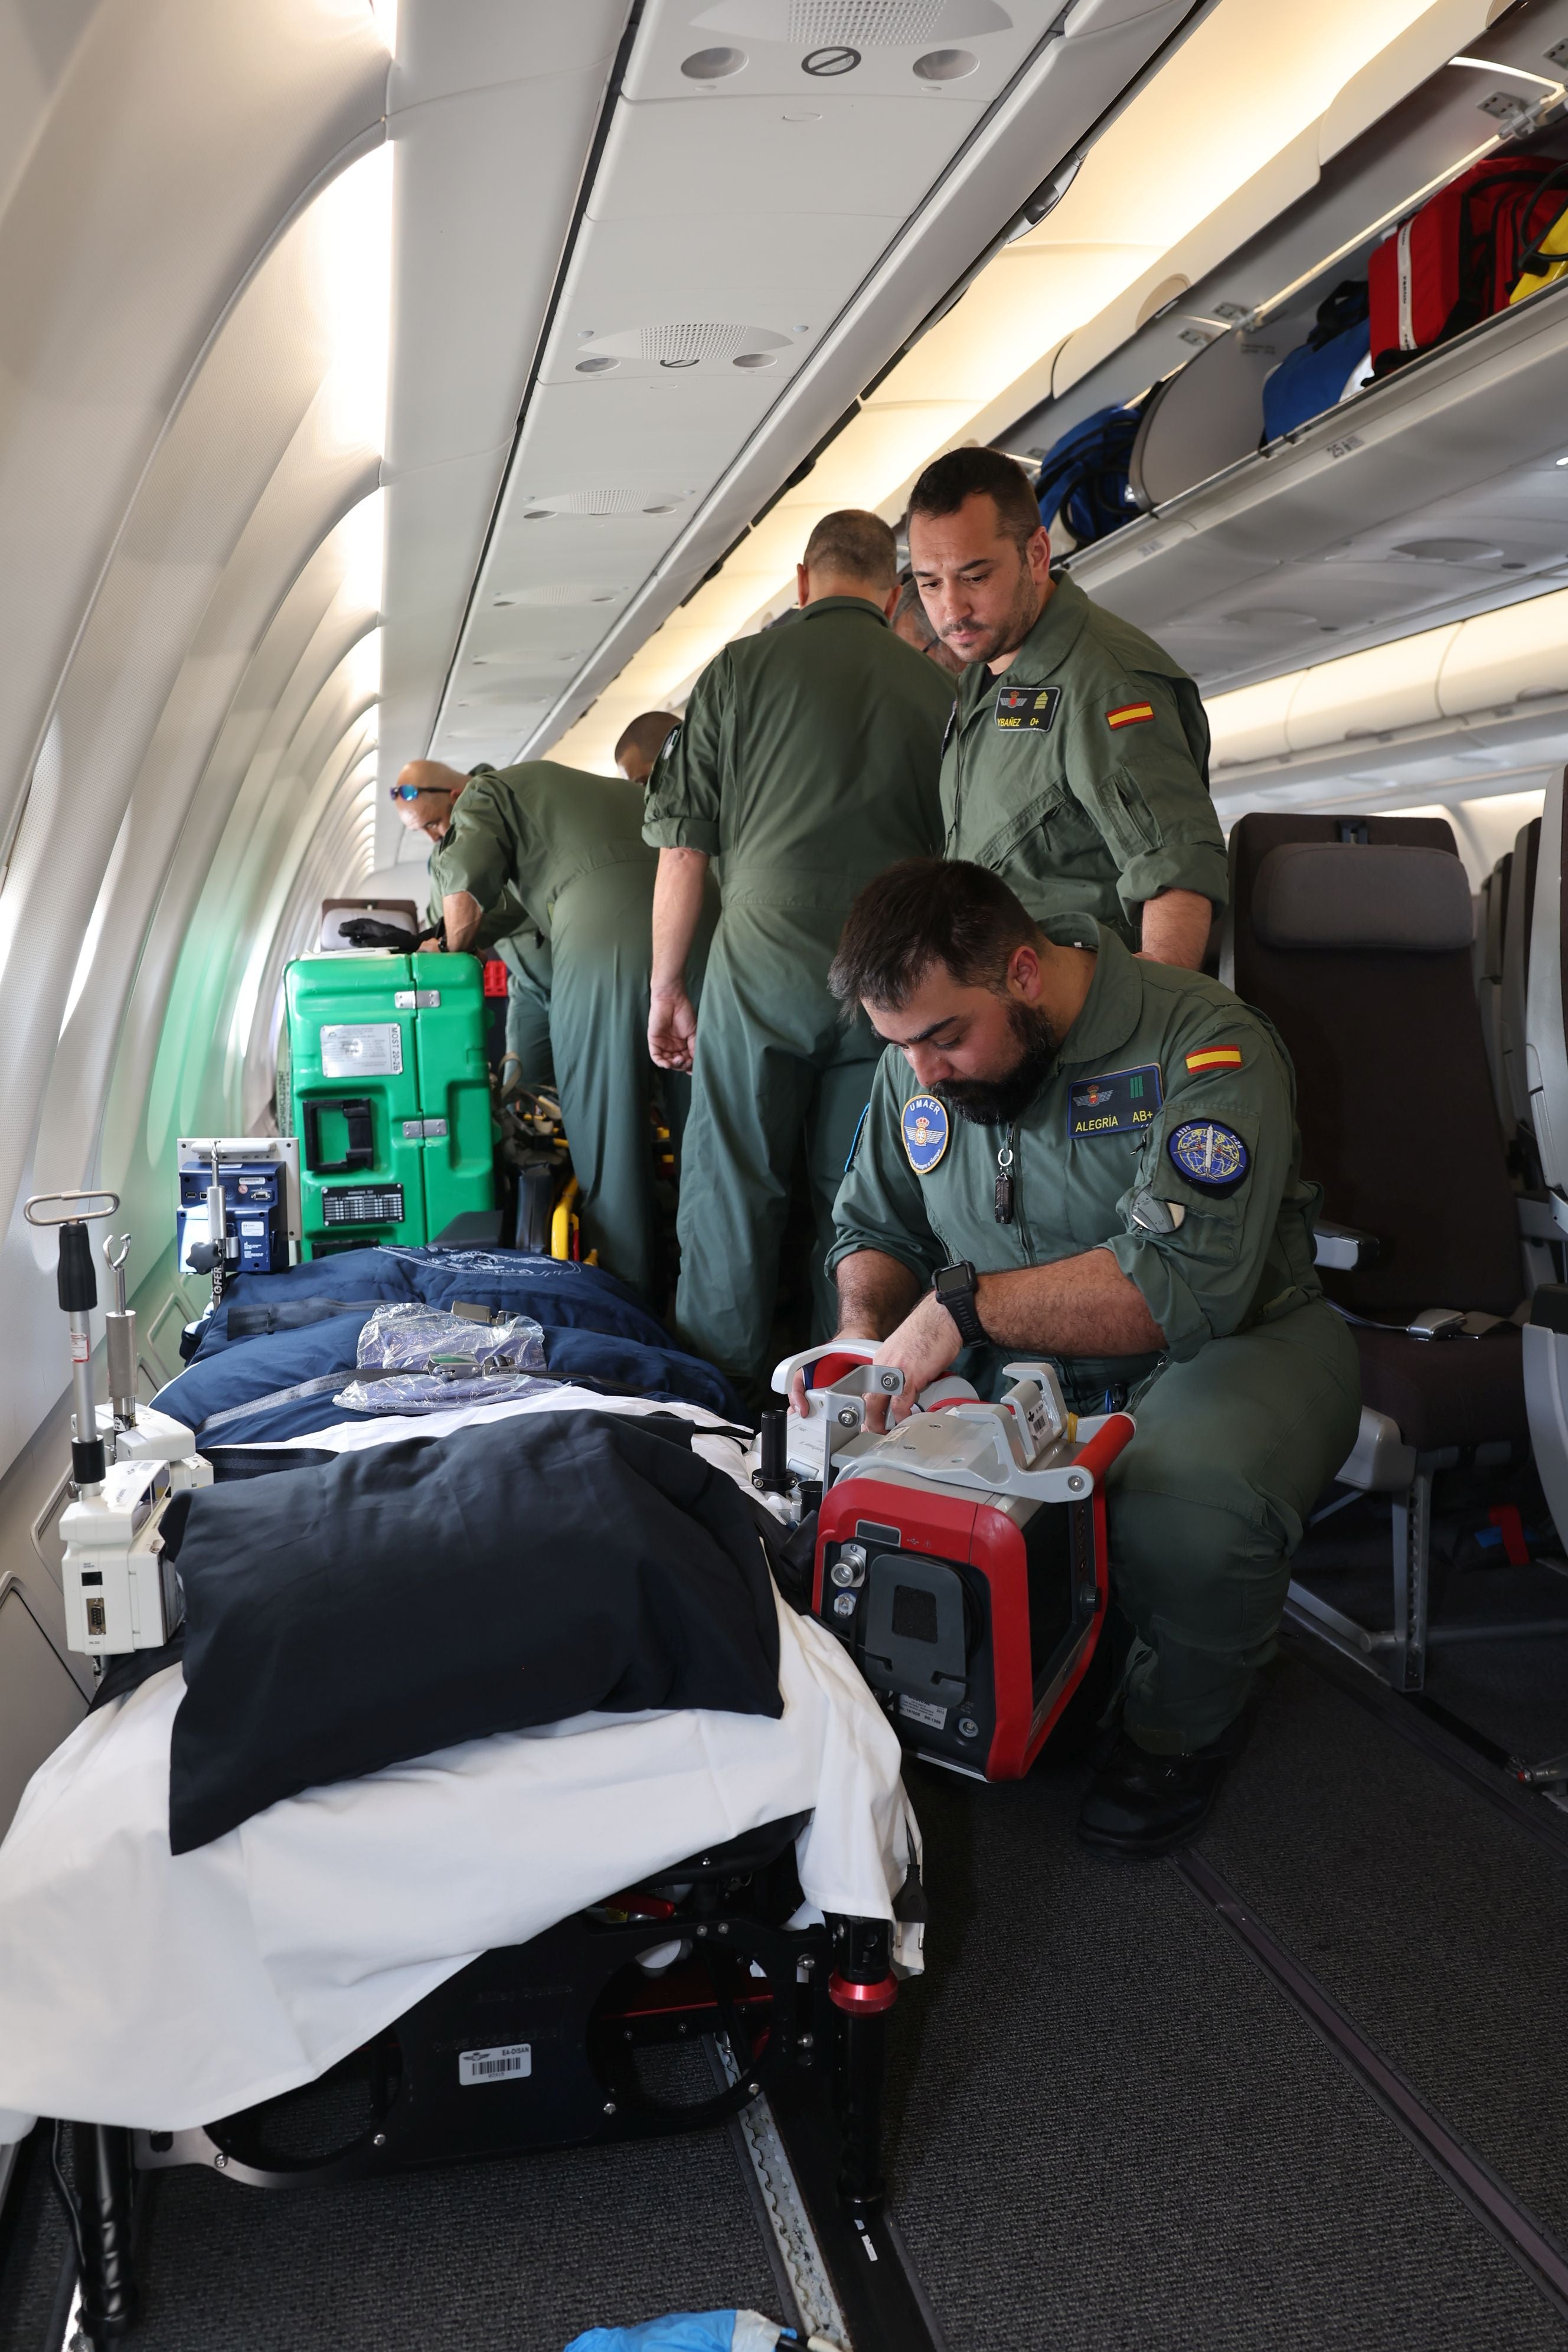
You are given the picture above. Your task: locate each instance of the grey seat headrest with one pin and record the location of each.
(1346, 894)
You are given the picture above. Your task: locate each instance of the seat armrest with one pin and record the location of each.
(1346, 1248)
(1549, 1305)
(1380, 1462)
(1536, 1219)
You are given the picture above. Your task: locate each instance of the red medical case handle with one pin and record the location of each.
(1114, 1433)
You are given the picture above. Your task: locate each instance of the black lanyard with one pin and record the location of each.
(1004, 1178)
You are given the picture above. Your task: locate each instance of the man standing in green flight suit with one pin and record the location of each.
(1077, 764)
(426, 803)
(571, 845)
(1074, 1153)
(806, 761)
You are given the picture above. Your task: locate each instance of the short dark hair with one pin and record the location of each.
(648, 734)
(856, 544)
(974, 472)
(926, 912)
(910, 601)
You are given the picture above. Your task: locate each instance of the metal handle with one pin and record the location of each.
(71, 1212)
(858, 1351)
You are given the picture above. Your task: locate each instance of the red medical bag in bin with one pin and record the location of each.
(1454, 260)
(961, 1555)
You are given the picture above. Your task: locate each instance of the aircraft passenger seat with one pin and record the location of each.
(1354, 936)
(1488, 971)
(1546, 1065)
(1518, 911)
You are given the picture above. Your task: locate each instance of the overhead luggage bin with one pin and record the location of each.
(1430, 495)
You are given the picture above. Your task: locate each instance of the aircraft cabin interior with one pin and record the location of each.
(784, 1186)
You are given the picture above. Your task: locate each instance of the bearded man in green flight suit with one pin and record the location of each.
(569, 846)
(1074, 1153)
(1077, 762)
(806, 761)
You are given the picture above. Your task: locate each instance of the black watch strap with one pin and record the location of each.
(954, 1285)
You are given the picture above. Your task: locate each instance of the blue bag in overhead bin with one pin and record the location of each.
(1317, 376)
(1083, 477)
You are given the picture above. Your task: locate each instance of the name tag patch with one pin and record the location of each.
(924, 1127)
(1208, 1154)
(1117, 1104)
(1030, 707)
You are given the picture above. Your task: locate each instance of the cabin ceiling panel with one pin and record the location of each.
(830, 153)
(927, 52)
(787, 276)
(969, 197)
(492, 112)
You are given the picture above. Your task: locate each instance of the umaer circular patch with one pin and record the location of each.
(924, 1127)
(1208, 1154)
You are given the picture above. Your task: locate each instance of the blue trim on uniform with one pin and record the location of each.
(854, 1140)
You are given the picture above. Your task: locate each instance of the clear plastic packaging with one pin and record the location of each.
(429, 1360)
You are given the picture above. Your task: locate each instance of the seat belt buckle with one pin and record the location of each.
(1437, 1323)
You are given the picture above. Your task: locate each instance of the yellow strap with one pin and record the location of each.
(560, 1221)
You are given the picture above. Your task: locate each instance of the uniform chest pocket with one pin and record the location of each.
(1035, 816)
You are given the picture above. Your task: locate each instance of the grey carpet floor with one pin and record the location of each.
(1114, 2132)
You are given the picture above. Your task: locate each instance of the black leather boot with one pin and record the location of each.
(1140, 1803)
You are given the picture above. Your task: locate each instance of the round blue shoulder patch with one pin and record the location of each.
(925, 1132)
(1208, 1154)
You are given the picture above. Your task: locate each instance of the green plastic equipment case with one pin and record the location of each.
(387, 1087)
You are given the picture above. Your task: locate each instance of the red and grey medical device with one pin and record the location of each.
(961, 1557)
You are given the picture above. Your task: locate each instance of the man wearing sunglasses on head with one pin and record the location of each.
(426, 802)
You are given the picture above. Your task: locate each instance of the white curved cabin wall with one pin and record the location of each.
(189, 500)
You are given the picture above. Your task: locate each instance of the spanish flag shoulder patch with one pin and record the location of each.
(1129, 714)
(1213, 1057)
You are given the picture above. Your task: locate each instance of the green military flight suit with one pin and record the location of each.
(508, 932)
(571, 845)
(807, 761)
(1080, 775)
(1166, 1133)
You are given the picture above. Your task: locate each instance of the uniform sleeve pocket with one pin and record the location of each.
(1124, 815)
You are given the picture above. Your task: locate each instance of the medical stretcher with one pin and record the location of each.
(960, 1553)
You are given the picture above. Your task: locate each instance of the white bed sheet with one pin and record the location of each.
(140, 1987)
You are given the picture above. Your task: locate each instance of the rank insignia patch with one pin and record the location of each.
(1028, 707)
(1213, 1057)
(1129, 714)
(1208, 1154)
(1118, 1104)
(925, 1132)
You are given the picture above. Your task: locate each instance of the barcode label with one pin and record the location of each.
(495, 2065)
(922, 1710)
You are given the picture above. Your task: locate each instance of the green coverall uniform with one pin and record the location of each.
(1166, 1133)
(508, 932)
(807, 761)
(571, 845)
(1080, 775)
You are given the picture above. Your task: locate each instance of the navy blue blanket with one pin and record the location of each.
(595, 1328)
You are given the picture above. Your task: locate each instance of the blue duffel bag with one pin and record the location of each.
(1317, 376)
(1083, 477)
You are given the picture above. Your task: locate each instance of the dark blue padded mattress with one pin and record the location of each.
(596, 1328)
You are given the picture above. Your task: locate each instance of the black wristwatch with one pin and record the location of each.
(954, 1285)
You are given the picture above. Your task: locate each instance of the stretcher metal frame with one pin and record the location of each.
(807, 2038)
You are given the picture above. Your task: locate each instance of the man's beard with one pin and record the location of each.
(1008, 633)
(997, 1102)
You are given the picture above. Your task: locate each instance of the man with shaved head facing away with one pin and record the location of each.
(807, 760)
(1076, 767)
